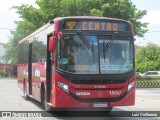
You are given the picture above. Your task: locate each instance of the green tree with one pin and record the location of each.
(34, 17)
(148, 58)
(11, 48)
(123, 9)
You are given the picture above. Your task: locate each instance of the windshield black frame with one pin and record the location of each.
(100, 33)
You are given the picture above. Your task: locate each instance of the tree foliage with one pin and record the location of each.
(34, 17)
(148, 58)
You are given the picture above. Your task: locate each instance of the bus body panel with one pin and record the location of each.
(61, 99)
(22, 75)
(38, 76)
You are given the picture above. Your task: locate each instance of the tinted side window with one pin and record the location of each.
(26, 52)
(42, 51)
(20, 57)
(35, 51)
(23, 53)
(155, 73)
(39, 49)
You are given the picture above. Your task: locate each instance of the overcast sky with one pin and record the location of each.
(153, 18)
(7, 18)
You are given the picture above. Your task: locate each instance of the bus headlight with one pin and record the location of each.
(63, 86)
(131, 85)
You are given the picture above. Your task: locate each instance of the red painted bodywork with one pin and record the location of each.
(36, 78)
(61, 99)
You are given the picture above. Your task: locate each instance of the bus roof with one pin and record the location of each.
(34, 33)
(92, 17)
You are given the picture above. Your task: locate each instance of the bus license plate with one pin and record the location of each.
(100, 105)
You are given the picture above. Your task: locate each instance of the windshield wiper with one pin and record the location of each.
(105, 48)
(85, 41)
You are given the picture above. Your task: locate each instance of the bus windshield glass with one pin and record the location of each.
(75, 57)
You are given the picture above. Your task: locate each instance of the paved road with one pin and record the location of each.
(11, 99)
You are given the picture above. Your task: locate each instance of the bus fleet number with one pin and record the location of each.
(114, 92)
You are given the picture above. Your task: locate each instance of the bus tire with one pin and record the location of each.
(44, 101)
(26, 97)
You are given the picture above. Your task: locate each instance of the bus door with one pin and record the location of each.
(30, 69)
(37, 65)
(49, 70)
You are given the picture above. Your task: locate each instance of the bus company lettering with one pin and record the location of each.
(100, 86)
(83, 93)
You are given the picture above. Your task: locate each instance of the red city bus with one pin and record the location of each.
(79, 62)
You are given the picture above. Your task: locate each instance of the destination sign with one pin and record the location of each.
(95, 25)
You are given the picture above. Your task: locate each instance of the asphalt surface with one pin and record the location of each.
(11, 99)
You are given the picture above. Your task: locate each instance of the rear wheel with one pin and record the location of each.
(26, 97)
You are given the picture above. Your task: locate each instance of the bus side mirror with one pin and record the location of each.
(52, 44)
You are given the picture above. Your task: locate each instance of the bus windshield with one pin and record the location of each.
(75, 57)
